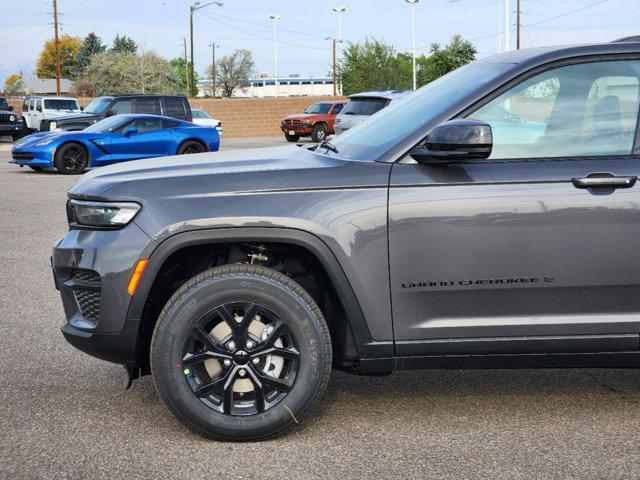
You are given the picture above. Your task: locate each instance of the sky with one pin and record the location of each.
(161, 25)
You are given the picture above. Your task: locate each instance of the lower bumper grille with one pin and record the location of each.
(22, 156)
(86, 286)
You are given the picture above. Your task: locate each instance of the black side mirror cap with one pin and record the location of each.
(455, 140)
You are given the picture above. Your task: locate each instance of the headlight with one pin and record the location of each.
(52, 126)
(304, 122)
(102, 214)
(45, 142)
(12, 118)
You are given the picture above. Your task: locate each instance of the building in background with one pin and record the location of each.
(292, 86)
(46, 86)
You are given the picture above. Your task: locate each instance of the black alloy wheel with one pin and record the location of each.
(190, 147)
(71, 159)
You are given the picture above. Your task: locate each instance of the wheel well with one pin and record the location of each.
(321, 122)
(295, 261)
(84, 147)
(197, 140)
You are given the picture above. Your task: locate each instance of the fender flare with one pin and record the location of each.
(157, 254)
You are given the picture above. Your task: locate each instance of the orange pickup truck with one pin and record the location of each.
(316, 121)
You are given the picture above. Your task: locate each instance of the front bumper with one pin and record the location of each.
(92, 269)
(10, 128)
(34, 157)
(298, 129)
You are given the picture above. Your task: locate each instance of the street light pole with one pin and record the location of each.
(340, 11)
(196, 6)
(413, 4)
(213, 69)
(275, 19)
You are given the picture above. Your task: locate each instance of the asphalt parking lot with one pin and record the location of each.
(66, 415)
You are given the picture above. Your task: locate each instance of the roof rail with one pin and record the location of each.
(634, 38)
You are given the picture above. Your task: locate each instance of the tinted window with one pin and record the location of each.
(170, 124)
(337, 109)
(3, 104)
(173, 107)
(577, 110)
(32, 104)
(97, 106)
(121, 107)
(108, 125)
(25, 104)
(147, 124)
(319, 108)
(39, 104)
(364, 106)
(61, 105)
(150, 106)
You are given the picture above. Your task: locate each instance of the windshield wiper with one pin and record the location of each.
(328, 145)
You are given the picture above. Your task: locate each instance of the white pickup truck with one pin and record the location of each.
(35, 109)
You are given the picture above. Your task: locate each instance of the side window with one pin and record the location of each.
(32, 104)
(147, 124)
(578, 110)
(121, 107)
(169, 124)
(39, 105)
(337, 108)
(149, 106)
(173, 107)
(25, 105)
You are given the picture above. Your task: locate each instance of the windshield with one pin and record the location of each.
(109, 124)
(321, 108)
(98, 106)
(370, 140)
(200, 114)
(3, 104)
(364, 106)
(59, 104)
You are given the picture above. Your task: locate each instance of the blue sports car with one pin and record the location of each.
(115, 139)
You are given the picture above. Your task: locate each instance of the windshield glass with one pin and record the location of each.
(370, 140)
(3, 104)
(98, 106)
(200, 114)
(59, 104)
(320, 108)
(364, 106)
(108, 125)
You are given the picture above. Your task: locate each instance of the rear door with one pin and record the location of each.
(36, 114)
(534, 250)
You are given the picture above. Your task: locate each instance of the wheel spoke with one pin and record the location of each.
(263, 379)
(258, 394)
(289, 353)
(279, 330)
(217, 385)
(240, 329)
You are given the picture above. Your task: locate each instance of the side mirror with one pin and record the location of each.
(11, 108)
(127, 132)
(455, 140)
(110, 113)
(82, 109)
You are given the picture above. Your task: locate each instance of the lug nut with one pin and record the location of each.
(231, 345)
(250, 344)
(242, 372)
(255, 361)
(227, 362)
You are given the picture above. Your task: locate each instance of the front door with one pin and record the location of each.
(149, 140)
(536, 248)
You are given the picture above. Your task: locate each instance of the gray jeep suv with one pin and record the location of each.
(491, 220)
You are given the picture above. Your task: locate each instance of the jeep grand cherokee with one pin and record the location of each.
(491, 220)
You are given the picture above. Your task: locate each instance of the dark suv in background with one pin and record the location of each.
(102, 107)
(490, 219)
(10, 123)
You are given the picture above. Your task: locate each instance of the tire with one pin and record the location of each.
(191, 146)
(35, 169)
(301, 330)
(291, 138)
(319, 133)
(71, 159)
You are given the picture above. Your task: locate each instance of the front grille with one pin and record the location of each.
(86, 286)
(6, 118)
(292, 123)
(22, 156)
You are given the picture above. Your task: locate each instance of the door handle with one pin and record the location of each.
(608, 181)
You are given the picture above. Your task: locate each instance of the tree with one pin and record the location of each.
(126, 72)
(178, 64)
(124, 44)
(68, 48)
(14, 85)
(233, 71)
(92, 45)
(370, 66)
(457, 53)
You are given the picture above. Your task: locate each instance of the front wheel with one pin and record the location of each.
(71, 159)
(191, 146)
(319, 133)
(291, 138)
(240, 352)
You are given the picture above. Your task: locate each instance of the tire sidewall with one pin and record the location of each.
(59, 160)
(315, 134)
(183, 147)
(191, 305)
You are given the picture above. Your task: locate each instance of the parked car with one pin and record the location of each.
(422, 238)
(10, 124)
(107, 106)
(115, 139)
(37, 109)
(316, 121)
(362, 105)
(202, 118)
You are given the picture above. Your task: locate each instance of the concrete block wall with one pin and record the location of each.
(241, 117)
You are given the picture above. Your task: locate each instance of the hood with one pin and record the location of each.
(31, 140)
(303, 116)
(74, 115)
(67, 113)
(288, 167)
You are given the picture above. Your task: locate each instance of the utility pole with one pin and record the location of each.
(507, 25)
(186, 66)
(275, 19)
(213, 69)
(412, 4)
(57, 45)
(340, 11)
(335, 87)
(196, 6)
(518, 24)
